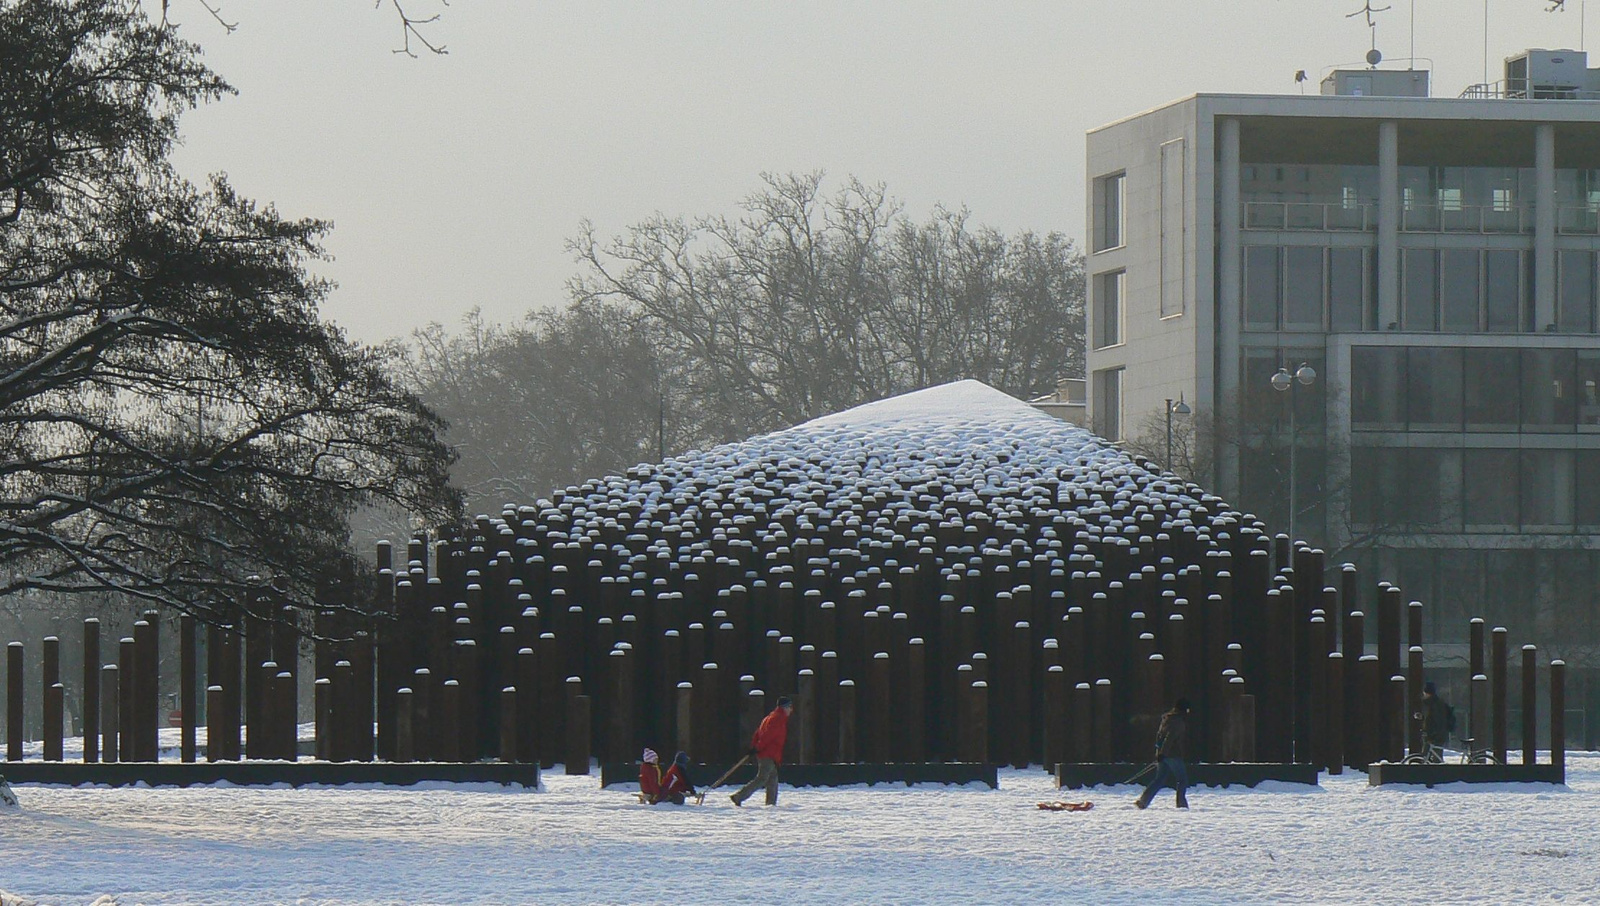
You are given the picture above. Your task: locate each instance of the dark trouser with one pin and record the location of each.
(767, 776)
(1169, 772)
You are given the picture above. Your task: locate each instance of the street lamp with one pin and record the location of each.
(1178, 408)
(1284, 381)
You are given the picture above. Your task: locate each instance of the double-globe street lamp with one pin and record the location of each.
(1283, 381)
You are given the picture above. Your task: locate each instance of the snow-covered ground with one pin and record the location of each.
(576, 843)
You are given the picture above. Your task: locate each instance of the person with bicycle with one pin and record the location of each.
(1437, 717)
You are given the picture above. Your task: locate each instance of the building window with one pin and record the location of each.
(1302, 288)
(1109, 199)
(1263, 286)
(1347, 302)
(1491, 490)
(1505, 276)
(1549, 398)
(1108, 403)
(1174, 227)
(1420, 310)
(1108, 308)
(1490, 396)
(1575, 298)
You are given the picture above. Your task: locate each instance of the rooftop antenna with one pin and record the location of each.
(1368, 10)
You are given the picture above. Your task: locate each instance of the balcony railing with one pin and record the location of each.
(1467, 218)
(1309, 215)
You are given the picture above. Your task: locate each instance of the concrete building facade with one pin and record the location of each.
(1433, 261)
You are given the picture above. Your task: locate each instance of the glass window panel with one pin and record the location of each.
(1108, 309)
(1110, 190)
(1302, 299)
(1433, 389)
(1491, 391)
(1575, 302)
(1378, 388)
(1108, 403)
(1489, 489)
(1376, 482)
(1458, 290)
(1262, 289)
(1587, 466)
(1264, 406)
(1346, 302)
(1502, 286)
(1589, 391)
(1431, 496)
(1459, 591)
(1421, 290)
(1547, 492)
(1549, 398)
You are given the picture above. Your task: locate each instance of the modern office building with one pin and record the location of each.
(1433, 262)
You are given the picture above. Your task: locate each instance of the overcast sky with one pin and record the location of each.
(453, 181)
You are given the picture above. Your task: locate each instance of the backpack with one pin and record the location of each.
(1449, 718)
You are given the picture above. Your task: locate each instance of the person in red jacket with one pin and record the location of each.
(767, 747)
(650, 777)
(675, 783)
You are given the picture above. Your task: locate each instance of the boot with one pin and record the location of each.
(1183, 801)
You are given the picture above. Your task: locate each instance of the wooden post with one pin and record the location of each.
(1364, 717)
(50, 671)
(1478, 711)
(508, 724)
(1414, 743)
(1055, 716)
(528, 712)
(578, 714)
(1530, 704)
(685, 728)
(1333, 683)
(322, 706)
(1245, 723)
(128, 659)
(1475, 649)
(914, 701)
(187, 680)
(1497, 678)
(110, 685)
(147, 688)
(1389, 608)
(1558, 718)
(622, 730)
(15, 697)
(283, 688)
(214, 706)
(1078, 733)
(806, 704)
(91, 691)
(847, 722)
(446, 745)
(1101, 733)
(341, 695)
(978, 713)
(1395, 706)
(404, 724)
(879, 708)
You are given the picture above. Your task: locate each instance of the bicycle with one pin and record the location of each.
(1470, 754)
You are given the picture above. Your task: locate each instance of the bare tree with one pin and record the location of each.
(809, 304)
(175, 419)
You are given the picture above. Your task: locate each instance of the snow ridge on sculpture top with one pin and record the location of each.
(968, 400)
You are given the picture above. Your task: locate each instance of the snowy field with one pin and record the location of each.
(576, 843)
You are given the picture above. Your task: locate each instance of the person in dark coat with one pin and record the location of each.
(1170, 769)
(1435, 717)
(675, 785)
(766, 746)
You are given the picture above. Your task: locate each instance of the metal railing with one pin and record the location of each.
(1309, 215)
(1468, 218)
(1522, 89)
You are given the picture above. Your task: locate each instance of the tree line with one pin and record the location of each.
(682, 332)
(180, 427)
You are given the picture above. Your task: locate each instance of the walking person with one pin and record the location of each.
(1170, 769)
(767, 747)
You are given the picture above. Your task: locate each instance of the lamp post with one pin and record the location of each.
(1178, 408)
(1284, 381)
